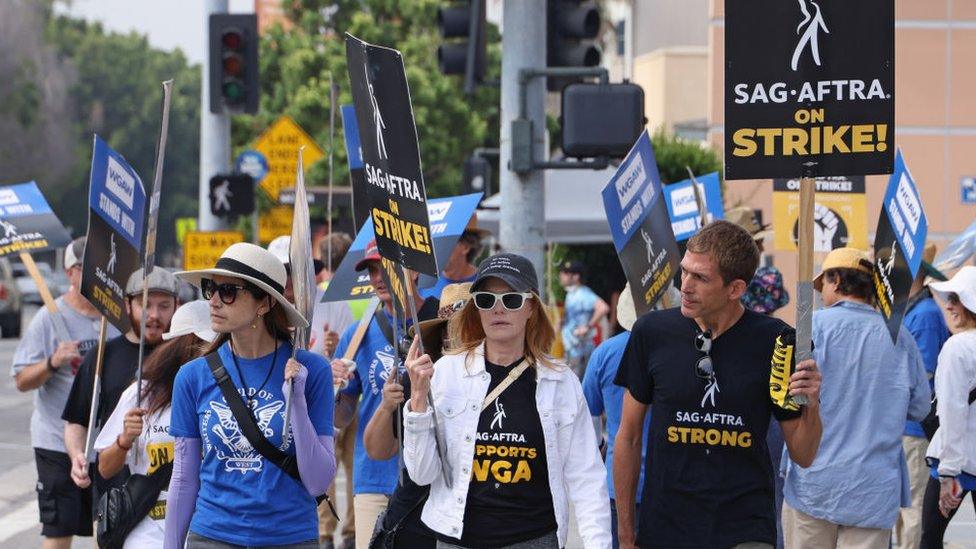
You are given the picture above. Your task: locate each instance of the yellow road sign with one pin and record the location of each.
(183, 226)
(279, 145)
(274, 223)
(201, 250)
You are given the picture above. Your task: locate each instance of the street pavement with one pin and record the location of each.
(19, 525)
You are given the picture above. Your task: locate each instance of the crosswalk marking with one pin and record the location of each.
(19, 520)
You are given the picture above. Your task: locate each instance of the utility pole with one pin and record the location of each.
(214, 131)
(522, 223)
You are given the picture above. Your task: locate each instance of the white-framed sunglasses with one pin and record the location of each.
(512, 301)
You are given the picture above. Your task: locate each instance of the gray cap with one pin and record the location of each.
(75, 252)
(160, 280)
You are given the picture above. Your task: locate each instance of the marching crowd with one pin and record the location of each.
(463, 430)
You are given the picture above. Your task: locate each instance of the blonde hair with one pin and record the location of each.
(466, 332)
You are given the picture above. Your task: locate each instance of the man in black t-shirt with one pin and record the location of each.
(119, 362)
(706, 368)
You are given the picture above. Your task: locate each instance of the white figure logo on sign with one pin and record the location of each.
(9, 229)
(377, 117)
(811, 33)
(110, 267)
(886, 265)
(649, 243)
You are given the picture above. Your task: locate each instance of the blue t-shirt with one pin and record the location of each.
(927, 325)
(603, 397)
(442, 280)
(579, 306)
(374, 362)
(245, 499)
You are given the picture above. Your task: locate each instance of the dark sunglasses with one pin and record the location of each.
(512, 301)
(703, 343)
(952, 299)
(226, 291)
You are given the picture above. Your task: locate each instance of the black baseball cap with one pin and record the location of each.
(513, 269)
(575, 267)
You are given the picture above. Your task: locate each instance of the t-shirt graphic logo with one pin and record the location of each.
(813, 24)
(710, 391)
(384, 360)
(499, 415)
(240, 455)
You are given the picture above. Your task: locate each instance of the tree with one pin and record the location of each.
(117, 94)
(296, 64)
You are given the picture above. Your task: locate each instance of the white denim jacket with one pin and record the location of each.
(576, 471)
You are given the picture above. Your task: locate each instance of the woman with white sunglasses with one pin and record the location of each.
(519, 440)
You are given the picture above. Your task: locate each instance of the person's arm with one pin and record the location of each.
(626, 466)
(378, 438)
(315, 453)
(586, 481)
(419, 441)
(920, 393)
(802, 434)
(953, 380)
(184, 486)
(600, 310)
(74, 444)
(36, 374)
(592, 391)
(111, 458)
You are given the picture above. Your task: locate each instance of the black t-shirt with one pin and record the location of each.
(509, 500)
(118, 372)
(708, 477)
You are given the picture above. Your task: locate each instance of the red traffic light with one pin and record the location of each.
(233, 64)
(232, 39)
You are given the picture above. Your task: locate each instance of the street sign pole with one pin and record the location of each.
(214, 133)
(522, 224)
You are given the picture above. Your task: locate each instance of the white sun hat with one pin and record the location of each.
(962, 284)
(191, 318)
(255, 265)
(626, 312)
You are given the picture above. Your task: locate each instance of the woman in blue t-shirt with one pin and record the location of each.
(224, 493)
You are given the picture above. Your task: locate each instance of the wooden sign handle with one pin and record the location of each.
(39, 281)
(805, 229)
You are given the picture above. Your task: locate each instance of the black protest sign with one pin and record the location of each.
(898, 246)
(27, 223)
(809, 88)
(640, 225)
(391, 155)
(117, 207)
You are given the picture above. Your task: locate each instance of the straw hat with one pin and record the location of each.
(191, 318)
(745, 217)
(453, 298)
(844, 258)
(255, 265)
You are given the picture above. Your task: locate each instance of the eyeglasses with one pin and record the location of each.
(952, 299)
(704, 368)
(512, 301)
(226, 291)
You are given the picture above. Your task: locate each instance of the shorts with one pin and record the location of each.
(65, 509)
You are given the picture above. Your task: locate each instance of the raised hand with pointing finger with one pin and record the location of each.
(420, 369)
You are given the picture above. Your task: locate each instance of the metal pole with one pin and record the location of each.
(522, 223)
(214, 131)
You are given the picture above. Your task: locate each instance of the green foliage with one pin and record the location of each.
(295, 71)
(673, 154)
(118, 95)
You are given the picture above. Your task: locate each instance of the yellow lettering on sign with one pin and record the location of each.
(843, 139)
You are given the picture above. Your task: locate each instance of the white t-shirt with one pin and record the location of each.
(155, 448)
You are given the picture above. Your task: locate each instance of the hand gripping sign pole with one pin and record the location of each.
(150, 255)
(804, 283)
(302, 275)
(96, 385)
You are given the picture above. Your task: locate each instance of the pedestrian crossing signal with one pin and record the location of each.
(231, 195)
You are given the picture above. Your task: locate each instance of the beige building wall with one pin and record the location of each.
(935, 116)
(674, 80)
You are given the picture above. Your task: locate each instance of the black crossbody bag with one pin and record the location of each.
(931, 422)
(251, 431)
(122, 508)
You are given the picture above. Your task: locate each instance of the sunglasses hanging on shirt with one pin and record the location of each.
(704, 368)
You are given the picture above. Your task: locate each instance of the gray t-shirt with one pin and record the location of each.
(39, 342)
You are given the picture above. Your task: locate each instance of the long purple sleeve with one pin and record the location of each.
(316, 454)
(181, 497)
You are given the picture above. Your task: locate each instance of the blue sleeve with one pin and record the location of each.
(920, 393)
(929, 335)
(319, 393)
(591, 381)
(184, 422)
(588, 299)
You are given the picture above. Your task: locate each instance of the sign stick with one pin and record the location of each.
(96, 385)
(804, 283)
(441, 446)
(60, 328)
(332, 102)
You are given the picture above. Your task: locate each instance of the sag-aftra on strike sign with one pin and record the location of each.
(809, 88)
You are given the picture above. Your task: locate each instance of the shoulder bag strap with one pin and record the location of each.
(500, 388)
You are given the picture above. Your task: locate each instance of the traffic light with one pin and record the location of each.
(571, 27)
(231, 195)
(477, 176)
(601, 119)
(468, 56)
(234, 84)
